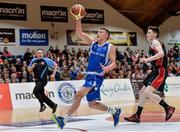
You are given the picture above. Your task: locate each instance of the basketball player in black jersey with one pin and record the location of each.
(156, 79)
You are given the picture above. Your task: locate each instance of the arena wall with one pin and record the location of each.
(113, 20)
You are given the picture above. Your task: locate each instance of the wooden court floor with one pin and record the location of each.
(151, 113)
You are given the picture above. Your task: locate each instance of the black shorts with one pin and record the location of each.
(156, 79)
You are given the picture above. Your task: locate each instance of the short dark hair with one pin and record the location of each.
(107, 31)
(39, 49)
(154, 29)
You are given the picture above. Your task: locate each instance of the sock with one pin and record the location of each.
(163, 104)
(139, 110)
(111, 110)
(66, 118)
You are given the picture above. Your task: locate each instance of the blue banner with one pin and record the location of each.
(33, 37)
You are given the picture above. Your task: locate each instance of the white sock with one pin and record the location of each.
(66, 117)
(111, 110)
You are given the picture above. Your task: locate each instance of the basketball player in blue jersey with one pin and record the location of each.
(156, 79)
(40, 67)
(101, 52)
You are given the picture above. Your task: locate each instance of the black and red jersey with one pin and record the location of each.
(161, 62)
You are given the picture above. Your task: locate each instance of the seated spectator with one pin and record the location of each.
(24, 72)
(33, 53)
(6, 64)
(81, 73)
(18, 64)
(65, 51)
(78, 53)
(65, 74)
(114, 74)
(50, 55)
(51, 49)
(57, 51)
(175, 51)
(73, 52)
(70, 63)
(24, 64)
(28, 56)
(73, 73)
(6, 53)
(14, 71)
(119, 55)
(14, 78)
(30, 77)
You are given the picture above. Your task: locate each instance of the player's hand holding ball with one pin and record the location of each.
(78, 11)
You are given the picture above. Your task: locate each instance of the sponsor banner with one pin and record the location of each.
(54, 14)
(12, 11)
(174, 38)
(116, 38)
(33, 37)
(5, 97)
(116, 90)
(7, 36)
(74, 40)
(173, 84)
(23, 97)
(123, 38)
(63, 92)
(94, 16)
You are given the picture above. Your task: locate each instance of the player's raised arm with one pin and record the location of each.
(78, 12)
(81, 34)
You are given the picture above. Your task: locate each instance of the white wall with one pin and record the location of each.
(113, 20)
(170, 25)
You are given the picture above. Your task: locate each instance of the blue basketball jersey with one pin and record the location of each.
(99, 54)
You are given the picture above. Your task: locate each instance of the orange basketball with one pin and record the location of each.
(78, 11)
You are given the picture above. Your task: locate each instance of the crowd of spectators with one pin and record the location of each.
(72, 64)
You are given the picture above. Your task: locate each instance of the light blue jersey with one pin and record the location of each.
(99, 54)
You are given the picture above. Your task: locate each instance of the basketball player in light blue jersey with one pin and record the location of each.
(101, 52)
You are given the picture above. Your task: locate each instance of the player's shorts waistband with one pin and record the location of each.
(95, 73)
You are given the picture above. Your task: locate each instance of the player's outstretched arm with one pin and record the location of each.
(81, 34)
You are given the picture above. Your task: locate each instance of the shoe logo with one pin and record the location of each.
(66, 92)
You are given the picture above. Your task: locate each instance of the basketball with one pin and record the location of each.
(78, 11)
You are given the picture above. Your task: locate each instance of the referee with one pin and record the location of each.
(39, 66)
